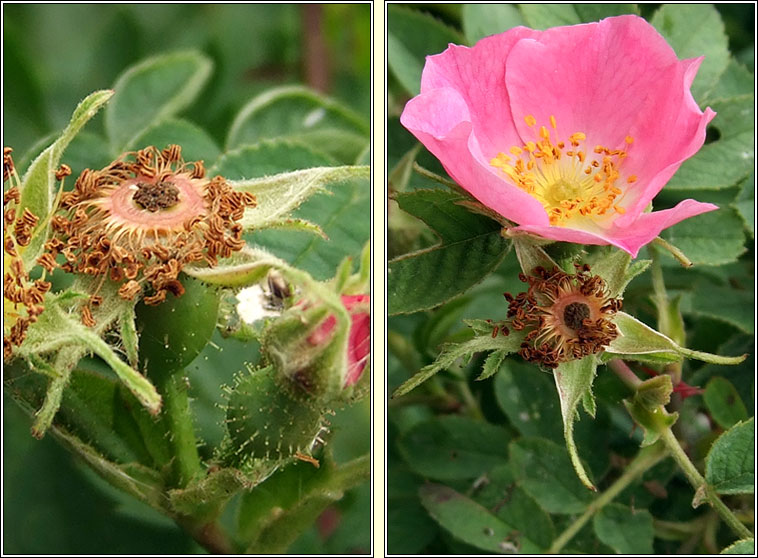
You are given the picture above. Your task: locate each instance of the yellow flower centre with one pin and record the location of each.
(569, 180)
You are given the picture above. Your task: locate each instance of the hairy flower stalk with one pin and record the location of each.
(141, 219)
(22, 298)
(567, 316)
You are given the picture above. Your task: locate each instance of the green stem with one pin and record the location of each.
(674, 251)
(645, 459)
(176, 413)
(624, 373)
(702, 490)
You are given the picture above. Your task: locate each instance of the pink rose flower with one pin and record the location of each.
(359, 337)
(568, 132)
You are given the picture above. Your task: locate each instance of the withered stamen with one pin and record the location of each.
(567, 316)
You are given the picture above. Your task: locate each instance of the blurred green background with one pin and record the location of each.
(55, 55)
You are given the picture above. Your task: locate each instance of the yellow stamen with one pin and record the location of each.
(568, 186)
(629, 139)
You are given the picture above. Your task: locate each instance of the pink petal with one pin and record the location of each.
(612, 79)
(478, 75)
(630, 238)
(440, 120)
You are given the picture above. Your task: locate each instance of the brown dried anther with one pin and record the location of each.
(143, 218)
(26, 296)
(567, 316)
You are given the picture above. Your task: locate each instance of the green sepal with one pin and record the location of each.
(573, 380)
(451, 352)
(57, 329)
(637, 341)
(653, 422)
(616, 268)
(654, 392)
(280, 194)
(38, 186)
(530, 254)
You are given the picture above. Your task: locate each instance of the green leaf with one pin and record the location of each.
(736, 80)
(267, 158)
(527, 396)
(440, 211)
(625, 530)
(724, 402)
(717, 165)
(470, 522)
(638, 341)
(654, 392)
(281, 194)
(730, 465)
(544, 471)
(501, 495)
(411, 36)
(744, 203)
(91, 410)
(38, 185)
(695, 30)
(745, 546)
(482, 20)
(143, 483)
(151, 91)
(196, 143)
(574, 382)
(270, 526)
(343, 217)
(471, 247)
(452, 352)
(596, 12)
(735, 115)
(726, 304)
(453, 447)
(303, 115)
(542, 16)
(616, 268)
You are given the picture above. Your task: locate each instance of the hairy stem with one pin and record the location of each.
(208, 535)
(645, 459)
(176, 413)
(673, 250)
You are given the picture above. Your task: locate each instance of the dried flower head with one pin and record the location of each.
(142, 218)
(568, 316)
(25, 296)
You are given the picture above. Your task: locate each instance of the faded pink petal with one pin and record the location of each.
(616, 84)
